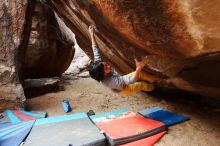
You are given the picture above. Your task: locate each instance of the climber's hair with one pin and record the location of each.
(96, 71)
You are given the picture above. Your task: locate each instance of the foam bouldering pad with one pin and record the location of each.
(4, 118)
(62, 118)
(150, 141)
(13, 134)
(131, 127)
(16, 116)
(36, 114)
(159, 114)
(65, 131)
(108, 116)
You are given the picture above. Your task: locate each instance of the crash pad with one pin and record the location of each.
(107, 116)
(62, 118)
(75, 130)
(15, 116)
(159, 114)
(4, 118)
(131, 127)
(150, 141)
(36, 114)
(13, 134)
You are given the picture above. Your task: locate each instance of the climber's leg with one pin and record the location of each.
(138, 86)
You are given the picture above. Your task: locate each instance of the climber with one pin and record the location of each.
(127, 84)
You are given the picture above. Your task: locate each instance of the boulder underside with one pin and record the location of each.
(180, 38)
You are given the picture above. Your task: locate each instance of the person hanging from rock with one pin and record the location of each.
(127, 84)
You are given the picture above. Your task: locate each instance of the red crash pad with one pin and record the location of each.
(150, 141)
(131, 128)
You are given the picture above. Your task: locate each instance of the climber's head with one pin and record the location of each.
(99, 70)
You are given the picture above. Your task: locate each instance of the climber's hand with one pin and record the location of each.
(91, 29)
(140, 64)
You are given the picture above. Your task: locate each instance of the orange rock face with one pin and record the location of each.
(181, 38)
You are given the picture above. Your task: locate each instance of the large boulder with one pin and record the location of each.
(34, 43)
(12, 24)
(51, 45)
(181, 38)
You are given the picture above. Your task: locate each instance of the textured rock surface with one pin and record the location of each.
(12, 20)
(51, 45)
(182, 38)
(33, 43)
(37, 87)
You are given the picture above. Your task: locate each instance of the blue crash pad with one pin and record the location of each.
(159, 114)
(16, 116)
(13, 134)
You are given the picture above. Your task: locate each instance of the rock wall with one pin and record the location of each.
(34, 43)
(181, 38)
(12, 23)
(51, 45)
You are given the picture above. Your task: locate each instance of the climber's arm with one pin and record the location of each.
(139, 67)
(96, 52)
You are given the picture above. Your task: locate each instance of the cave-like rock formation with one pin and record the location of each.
(51, 45)
(34, 43)
(181, 38)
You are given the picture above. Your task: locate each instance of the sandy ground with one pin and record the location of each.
(86, 94)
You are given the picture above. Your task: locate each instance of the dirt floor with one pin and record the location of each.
(84, 94)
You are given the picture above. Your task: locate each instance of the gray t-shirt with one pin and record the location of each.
(113, 80)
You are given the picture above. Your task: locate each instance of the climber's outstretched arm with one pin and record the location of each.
(96, 52)
(139, 67)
